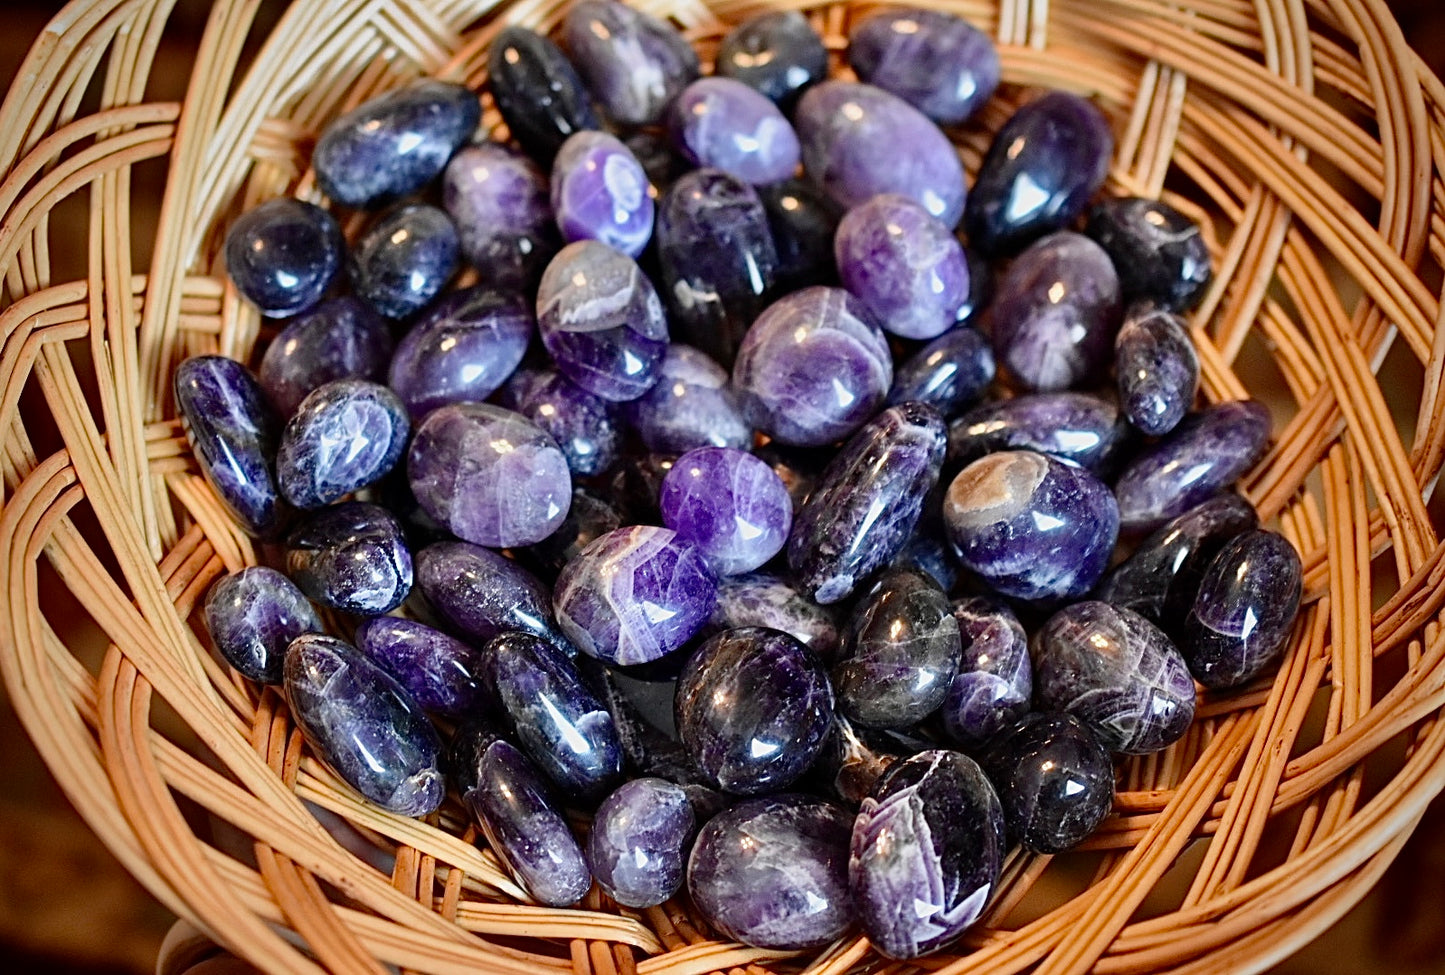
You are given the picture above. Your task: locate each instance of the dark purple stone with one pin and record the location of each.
(653, 151)
(582, 424)
(601, 321)
(753, 707)
(283, 254)
(1039, 173)
(649, 751)
(1205, 454)
(600, 192)
(725, 124)
(691, 405)
(995, 679)
(926, 853)
(490, 475)
(634, 63)
(813, 368)
(253, 615)
(851, 135)
(404, 260)
(1056, 313)
(482, 594)
(634, 485)
(502, 206)
(868, 501)
(759, 599)
(1157, 369)
(1161, 256)
(461, 350)
(344, 436)
(537, 91)
(718, 259)
(233, 434)
(1078, 428)
(351, 556)
(638, 844)
(589, 517)
(778, 53)
(438, 671)
(1118, 673)
(1245, 610)
(935, 61)
(1032, 527)
(803, 220)
(364, 725)
(342, 338)
(950, 373)
(927, 550)
(634, 595)
(1055, 779)
(730, 505)
(465, 749)
(852, 761)
(773, 873)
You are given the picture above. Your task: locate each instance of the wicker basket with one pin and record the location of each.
(1305, 136)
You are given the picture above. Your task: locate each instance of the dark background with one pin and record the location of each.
(66, 906)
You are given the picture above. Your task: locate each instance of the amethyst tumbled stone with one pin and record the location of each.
(283, 254)
(691, 405)
(773, 873)
(481, 594)
(950, 373)
(394, 144)
(730, 505)
(638, 844)
(1056, 313)
(995, 678)
(501, 203)
(461, 350)
(1055, 779)
(859, 141)
(344, 436)
(351, 556)
(1079, 428)
(1161, 255)
(537, 91)
(342, 338)
(803, 220)
(906, 266)
(926, 852)
(404, 259)
(590, 517)
(1157, 369)
(813, 368)
(253, 615)
(490, 475)
(601, 321)
(1032, 527)
(599, 192)
(1202, 456)
(364, 725)
(1244, 611)
(725, 124)
(933, 60)
(582, 424)
(233, 434)
(1118, 673)
(778, 53)
(634, 595)
(760, 599)
(440, 672)
(634, 63)
(753, 707)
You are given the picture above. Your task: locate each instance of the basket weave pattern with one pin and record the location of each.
(1303, 134)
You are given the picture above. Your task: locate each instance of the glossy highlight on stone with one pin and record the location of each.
(461, 349)
(778, 53)
(638, 844)
(1161, 255)
(725, 124)
(537, 91)
(440, 672)
(1244, 611)
(933, 60)
(950, 373)
(502, 206)
(351, 556)
(404, 260)
(344, 436)
(283, 254)
(691, 405)
(803, 220)
(252, 616)
(994, 684)
(634, 63)
(1055, 779)
(730, 505)
(1079, 428)
(1157, 369)
(341, 338)
(582, 424)
(600, 192)
(590, 516)
(482, 594)
(761, 599)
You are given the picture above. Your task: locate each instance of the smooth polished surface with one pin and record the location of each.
(461, 349)
(482, 594)
(1079, 428)
(725, 124)
(778, 53)
(582, 424)
(1161, 255)
(283, 254)
(600, 192)
(950, 373)
(537, 91)
(935, 61)
(1157, 369)
(995, 682)
(343, 436)
(341, 338)
(633, 62)
(440, 672)
(638, 844)
(253, 615)
(404, 259)
(502, 206)
(1055, 779)
(763, 599)
(351, 556)
(730, 505)
(691, 405)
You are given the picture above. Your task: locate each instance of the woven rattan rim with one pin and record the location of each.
(1304, 134)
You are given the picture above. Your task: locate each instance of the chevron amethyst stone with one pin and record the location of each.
(725, 124)
(351, 556)
(730, 505)
(461, 349)
(502, 206)
(341, 338)
(253, 615)
(761, 599)
(935, 61)
(404, 260)
(600, 192)
(582, 424)
(995, 682)
(778, 53)
(691, 405)
(283, 254)
(344, 436)
(1079, 428)
(634, 63)
(950, 373)
(481, 594)
(441, 672)
(1055, 779)
(1157, 369)
(638, 844)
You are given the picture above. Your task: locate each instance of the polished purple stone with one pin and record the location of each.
(490, 475)
(461, 350)
(344, 436)
(803, 220)
(859, 141)
(778, 53)
(283, 254)
(525, 827)
(1205, 454)
(730, 505)
(995, 679)
(725, 124)
(233, 434)
(926, 852)
(558, 722)
(773, 873)
(590, 517)
(1118, 673)
(865, 506)
(438, 671)
(582, 424)
(1056, 313)
(1161, 255)
(351, 556)
(404, 260)
(950, 373)
(481, 594)
(342, 338)
(691, 405)
(638, 845)
(905, 266)
(600, 192)
(634, 63)
(935, 61)
(1157, 369)
(1032, 527)
(394, 144)
(1039, 173)
(900, 651)
(502, 206)
(634, 595)
(1245, 610)
(717, 258)
(760, 599)
(813, 368)
(537, 91)
(253, 615)
(601, 321)
(653, 151)
(364, 725)
(1055, 779)
(1078, 428)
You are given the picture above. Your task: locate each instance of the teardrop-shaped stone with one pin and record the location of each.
(1245, 609)
(537, 91)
